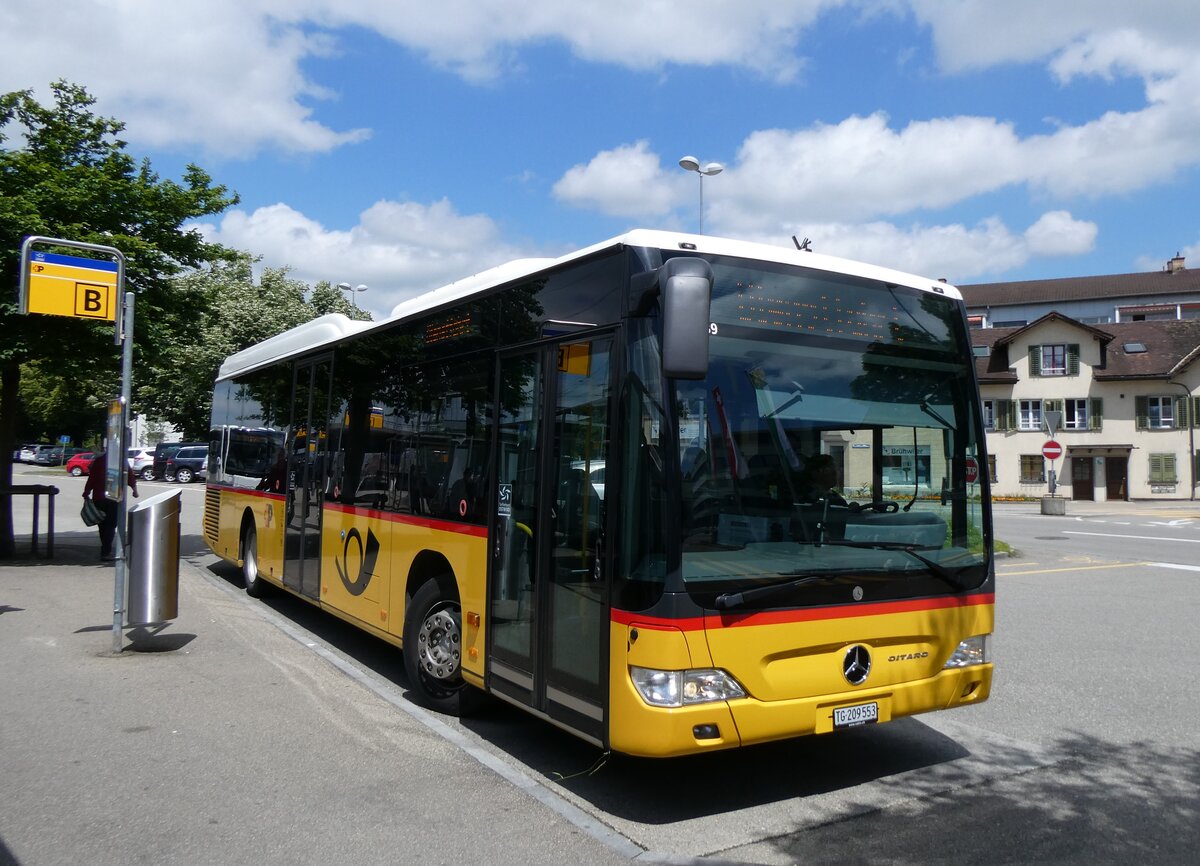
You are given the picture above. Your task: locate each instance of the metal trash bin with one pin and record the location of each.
(152, 587)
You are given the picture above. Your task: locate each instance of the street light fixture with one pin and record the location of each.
(690, 163)
(353, 290)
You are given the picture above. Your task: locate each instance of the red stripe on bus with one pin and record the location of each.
(780, 617)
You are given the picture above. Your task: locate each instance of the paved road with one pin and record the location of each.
(268, 732)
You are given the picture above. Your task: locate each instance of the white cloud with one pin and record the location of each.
(477, 38)
(1057, 233)
(976, 34)
(957, 253)
(223, 78)
(627, 181)
(227, 75)
(397, 249)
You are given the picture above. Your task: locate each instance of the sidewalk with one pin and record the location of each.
(223, 739)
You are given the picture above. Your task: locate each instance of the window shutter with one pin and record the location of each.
(1035, 360)
(1073, 359)
(1011, 415)
(1096, 413)
(1168, 468)
(1051, 406)
(1181, 412)
(1155, 467)
(1141, 410)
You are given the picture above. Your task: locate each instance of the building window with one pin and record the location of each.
(1031, 415)
(1033, 469)
(1054, 359)
(1075, 414)
(989, 414)
(1155, 413)
(1162, 469)
(991, 463)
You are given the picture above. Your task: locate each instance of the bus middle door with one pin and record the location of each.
(307, 459)
(548, 598)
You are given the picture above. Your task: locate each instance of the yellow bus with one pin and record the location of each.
(671, 493)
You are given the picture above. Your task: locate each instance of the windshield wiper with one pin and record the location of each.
(730, 600)
(948, 576)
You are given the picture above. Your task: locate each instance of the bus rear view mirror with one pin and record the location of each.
(686, 286)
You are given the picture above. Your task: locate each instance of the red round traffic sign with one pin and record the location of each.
(972, 470)
(1052, 450)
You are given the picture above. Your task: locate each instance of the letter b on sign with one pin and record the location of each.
(91, 301)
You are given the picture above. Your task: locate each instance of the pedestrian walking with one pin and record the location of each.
(94, 490)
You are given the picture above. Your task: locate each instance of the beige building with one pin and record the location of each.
(1126, 397)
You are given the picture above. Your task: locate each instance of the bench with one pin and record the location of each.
(37, 491)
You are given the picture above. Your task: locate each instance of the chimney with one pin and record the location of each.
(1175, 265)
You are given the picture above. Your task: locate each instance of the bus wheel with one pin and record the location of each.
(254, 587)
(433, 652)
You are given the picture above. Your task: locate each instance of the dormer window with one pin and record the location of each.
(1054, 359)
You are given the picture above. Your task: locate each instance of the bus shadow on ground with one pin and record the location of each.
(633, 788)
(1106, 802)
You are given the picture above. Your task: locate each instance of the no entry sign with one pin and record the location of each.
(1052, 450)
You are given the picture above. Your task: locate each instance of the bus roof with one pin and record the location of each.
(333, 327)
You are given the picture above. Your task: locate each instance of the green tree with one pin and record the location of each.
(64, 172)
(236, 311)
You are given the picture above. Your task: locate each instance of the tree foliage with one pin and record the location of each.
(64, 172)
(235, 311)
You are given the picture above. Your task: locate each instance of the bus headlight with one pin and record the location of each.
(973, 651)
(677, 688)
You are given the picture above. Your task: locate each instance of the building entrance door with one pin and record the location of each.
(1082, 485)
(1117, 471)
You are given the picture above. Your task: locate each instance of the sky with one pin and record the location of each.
(401, 145)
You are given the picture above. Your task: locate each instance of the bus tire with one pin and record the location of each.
(433, 652)
(255, 586)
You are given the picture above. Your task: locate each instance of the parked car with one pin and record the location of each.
(80, 463)
(141, 462)
(29, 453)
(56, 455)
(162, 452)
(187, 464)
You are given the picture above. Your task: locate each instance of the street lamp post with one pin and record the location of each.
(353, 290)
(690, 163)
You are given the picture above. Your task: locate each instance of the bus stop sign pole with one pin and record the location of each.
(117, 444)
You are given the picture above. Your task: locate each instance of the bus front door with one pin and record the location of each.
(548, 587)
(307, 447)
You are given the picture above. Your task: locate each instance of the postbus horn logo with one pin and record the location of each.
(367, 558)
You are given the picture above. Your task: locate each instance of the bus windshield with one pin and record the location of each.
(834, 440)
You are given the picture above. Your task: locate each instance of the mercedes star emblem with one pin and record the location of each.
(856, 665)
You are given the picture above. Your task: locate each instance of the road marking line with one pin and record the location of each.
(1175, 565)
(1141, 537)
(1076, 568)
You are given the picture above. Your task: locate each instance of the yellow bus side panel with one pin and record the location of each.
(268, 525)
(347, 540)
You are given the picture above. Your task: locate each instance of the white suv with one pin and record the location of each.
(141, 460)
